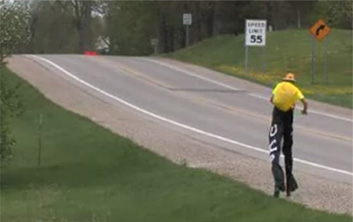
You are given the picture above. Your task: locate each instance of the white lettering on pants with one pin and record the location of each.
(272, 149)
(273, 130)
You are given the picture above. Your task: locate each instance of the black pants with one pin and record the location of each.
(282, 128)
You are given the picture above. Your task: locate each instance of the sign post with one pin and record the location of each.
(313, 61)
(326, 42)
(154, 43)
(255, 35)
(246, 59)
(319, 31)
(263, 61)
(187, 21)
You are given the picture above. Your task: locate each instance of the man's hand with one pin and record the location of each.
(305, 104)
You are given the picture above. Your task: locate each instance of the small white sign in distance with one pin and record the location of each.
(255, 32)
(187, 19)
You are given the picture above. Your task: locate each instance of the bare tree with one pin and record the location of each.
(82, 11)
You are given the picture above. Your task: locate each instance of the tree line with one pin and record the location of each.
(127, 27)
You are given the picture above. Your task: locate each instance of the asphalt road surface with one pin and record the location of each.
(210, 109)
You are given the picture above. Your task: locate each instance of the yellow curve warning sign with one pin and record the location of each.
(320, 30)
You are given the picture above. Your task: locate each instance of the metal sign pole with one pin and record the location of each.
(326, 42)
(313, 61)
(263, 61)
(187, 35)
(155, 49)
(246, 49)
(246, 59)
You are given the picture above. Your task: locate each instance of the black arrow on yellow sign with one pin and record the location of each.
(321, 27)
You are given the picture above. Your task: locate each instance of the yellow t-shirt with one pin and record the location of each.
(285, 95)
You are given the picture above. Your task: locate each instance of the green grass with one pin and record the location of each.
(89, 174)
(286, 51)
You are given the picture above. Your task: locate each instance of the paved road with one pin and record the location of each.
(210, 109)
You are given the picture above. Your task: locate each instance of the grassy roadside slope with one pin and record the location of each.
(286, 51)
(89, 174)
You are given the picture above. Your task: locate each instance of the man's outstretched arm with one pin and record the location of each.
(305, 104)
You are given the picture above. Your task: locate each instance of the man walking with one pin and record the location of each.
(284, 98)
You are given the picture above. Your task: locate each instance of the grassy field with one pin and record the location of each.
(286, 51)
(89, 174)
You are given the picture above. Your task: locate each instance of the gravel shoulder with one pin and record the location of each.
(177, 145)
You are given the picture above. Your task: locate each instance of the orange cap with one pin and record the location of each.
(289, 77)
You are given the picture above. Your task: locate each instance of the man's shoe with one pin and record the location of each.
(279, 188)
(292, 184)
(276, 194)
(282, 187)
(288, 192)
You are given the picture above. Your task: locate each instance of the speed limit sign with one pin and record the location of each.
(255, 35)
(255, 32)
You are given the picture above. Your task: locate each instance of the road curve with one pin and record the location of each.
(224, 113)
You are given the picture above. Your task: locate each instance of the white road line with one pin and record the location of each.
(233, 88)
(180, 124)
